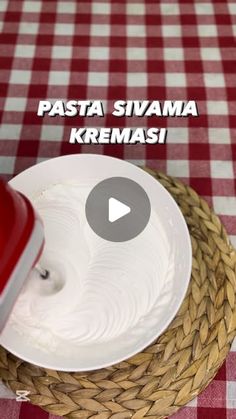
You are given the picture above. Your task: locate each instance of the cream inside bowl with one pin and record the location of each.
(104, 301)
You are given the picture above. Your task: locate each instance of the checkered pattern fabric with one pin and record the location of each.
(131, 50)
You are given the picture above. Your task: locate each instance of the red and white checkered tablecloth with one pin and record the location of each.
(131, 50)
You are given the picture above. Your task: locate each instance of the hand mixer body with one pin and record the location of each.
(21, 244)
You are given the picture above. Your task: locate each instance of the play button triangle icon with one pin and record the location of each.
(117, 210)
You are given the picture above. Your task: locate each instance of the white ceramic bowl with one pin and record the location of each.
(94, 355)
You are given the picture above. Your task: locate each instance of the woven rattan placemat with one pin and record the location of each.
(174, 369)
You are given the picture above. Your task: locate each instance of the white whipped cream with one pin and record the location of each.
(97, 289)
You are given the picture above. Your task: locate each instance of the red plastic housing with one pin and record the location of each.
(17, 220)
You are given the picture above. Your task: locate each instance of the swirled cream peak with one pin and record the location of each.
(97, 289)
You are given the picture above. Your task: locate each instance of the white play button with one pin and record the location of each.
(117, 210)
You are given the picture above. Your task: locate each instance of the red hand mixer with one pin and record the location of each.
(21, 244)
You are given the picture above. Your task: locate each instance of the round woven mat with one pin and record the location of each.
(174, 369)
